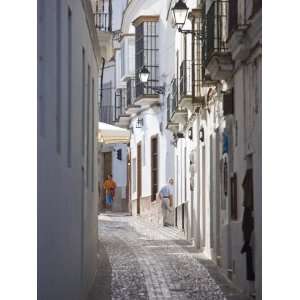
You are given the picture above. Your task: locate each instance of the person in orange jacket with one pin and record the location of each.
(110, 187)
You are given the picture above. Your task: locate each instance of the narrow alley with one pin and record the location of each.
(140, 260)
(150, 110)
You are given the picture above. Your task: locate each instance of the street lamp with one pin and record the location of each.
(180, 11)
(144, 76)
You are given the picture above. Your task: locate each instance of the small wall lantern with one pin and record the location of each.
(144, 74)
(201, 134)
(191, 133)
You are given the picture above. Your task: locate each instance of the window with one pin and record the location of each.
(119, 154)
(106, 115)
(69, 148)
(58, 77)
(228, 103)
(146, 53)
(154, 168)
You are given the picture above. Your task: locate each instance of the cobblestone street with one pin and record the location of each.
(138, 260)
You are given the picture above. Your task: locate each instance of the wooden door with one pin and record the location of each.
(128, 187)
(139, 177)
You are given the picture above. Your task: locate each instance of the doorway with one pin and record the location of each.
(128, 185)
(107, 171)
(139, 177)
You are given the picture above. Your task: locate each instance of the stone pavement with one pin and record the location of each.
(140, 260)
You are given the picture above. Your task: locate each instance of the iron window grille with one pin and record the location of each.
(119, 103)
(146, 47)
(130, 91)
(190, 80)
(216, 29)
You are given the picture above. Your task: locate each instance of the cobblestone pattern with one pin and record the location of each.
(152, 262)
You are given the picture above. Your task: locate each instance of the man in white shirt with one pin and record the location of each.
(166, 198)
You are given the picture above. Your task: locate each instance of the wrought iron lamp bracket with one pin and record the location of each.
(196, 33)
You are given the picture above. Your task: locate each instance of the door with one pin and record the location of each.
(128, 187)
(107, 171)
(139, 177)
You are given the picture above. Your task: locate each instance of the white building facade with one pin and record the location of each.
(69, 58)
(203, 127)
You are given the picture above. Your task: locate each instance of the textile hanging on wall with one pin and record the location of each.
(248, 223)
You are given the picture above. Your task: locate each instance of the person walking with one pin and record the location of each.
(166, 197)
(110, 187)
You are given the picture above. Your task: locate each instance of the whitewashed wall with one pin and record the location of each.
(67, 208)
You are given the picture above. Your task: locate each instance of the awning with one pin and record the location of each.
(109, 134)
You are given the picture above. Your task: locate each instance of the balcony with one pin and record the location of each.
(175, 114)
(102, 21)
(131, 107)
(103, 24)
(185, 84)
(237, 41)
(121, 118)
(190, 83)
(217, 57)
(145, 96)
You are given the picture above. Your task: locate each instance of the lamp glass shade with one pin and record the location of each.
(180, 11)
(144, 74)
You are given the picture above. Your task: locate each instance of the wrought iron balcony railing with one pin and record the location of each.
(130, 91)
(185, 79)
(216, 29)
(120, 103)
(172, 99)
(103, 21)
(190, 78)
